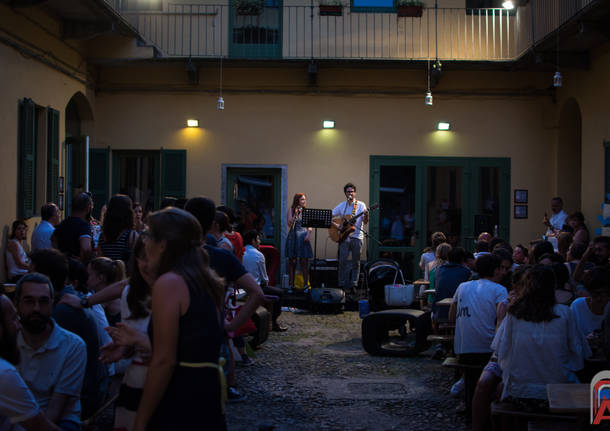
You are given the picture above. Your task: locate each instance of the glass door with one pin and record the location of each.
(458, 196)
(136, 174)
(254, 194)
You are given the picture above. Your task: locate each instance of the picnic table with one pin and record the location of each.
(569, 397)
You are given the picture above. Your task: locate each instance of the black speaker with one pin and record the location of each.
(325, 271)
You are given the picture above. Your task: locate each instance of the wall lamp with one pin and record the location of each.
(192, 123)
(328, 124)
(443, 126)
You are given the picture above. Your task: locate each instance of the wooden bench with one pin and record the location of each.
(503, 411)
(471, 376)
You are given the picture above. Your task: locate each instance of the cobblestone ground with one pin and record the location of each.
(316, 376)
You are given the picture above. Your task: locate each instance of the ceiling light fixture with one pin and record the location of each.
(508, 4)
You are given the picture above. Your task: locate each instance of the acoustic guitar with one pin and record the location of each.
(342, 227)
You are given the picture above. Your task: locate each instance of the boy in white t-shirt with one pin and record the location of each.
(475, 308)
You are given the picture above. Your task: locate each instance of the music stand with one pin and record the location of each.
(316, 218)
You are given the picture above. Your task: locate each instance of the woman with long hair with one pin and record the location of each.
(580, 232)
(17, 261)
(118, 237)
(131, 339)
(138, 218)
(297, 241)
(183, 384)
(538, 342)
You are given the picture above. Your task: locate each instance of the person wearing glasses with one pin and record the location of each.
(349, 268)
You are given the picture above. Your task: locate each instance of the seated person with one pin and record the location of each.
(81, 322)
(41, 237)
(589, 312)
(474, 310)
(254, 262)
(538, 342)
(17, 403)
(17, 261)
(481, 248)
(52, 359)
(520, 255)
(447, 279)
(73, 236)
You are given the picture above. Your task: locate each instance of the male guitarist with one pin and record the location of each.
(349, 269)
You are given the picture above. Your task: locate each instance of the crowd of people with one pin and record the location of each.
(152, 302)
(526, 316)
(149, 303)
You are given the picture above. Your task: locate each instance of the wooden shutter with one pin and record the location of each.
(99, 170)
(173, 173)
(607, 171)
(26, 198)
(52, 155)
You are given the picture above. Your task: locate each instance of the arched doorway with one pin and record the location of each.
(79, 131)
(569, 157)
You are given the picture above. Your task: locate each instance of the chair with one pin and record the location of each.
(272, 262)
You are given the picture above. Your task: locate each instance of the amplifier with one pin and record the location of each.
(325, 271)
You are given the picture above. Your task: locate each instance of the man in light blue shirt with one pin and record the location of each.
(41, 237)
(52, 359)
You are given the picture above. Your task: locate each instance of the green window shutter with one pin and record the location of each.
(99, 171)
(52, 155)
(26, 199)
(173, 173)
(607, 171)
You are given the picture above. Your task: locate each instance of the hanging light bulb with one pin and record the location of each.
(428, 99)
(220, 104)
(557, 79)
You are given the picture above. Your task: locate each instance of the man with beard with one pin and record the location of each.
(73, 235)
(52, 359)
(17, 404)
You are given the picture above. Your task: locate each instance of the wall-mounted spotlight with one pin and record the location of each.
(443, 126)
(192, 123)
(328, 124)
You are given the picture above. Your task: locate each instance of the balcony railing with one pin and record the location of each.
(300, 32)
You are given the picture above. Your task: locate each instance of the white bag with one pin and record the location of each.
(399, 295)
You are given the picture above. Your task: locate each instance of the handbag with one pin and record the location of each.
(399, 294)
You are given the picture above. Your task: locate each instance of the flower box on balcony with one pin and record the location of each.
(409, 8)
(248, 7)
(331, 10)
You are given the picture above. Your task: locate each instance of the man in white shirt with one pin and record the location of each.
(349, 269)
(53, 360)
(475, 310)
(558, 216)
(254, 262)
(17, 404)
(41, 237)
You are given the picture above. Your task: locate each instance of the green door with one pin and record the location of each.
(420, 195)
(255, 29)
(255, 196)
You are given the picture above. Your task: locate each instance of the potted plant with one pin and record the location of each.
(331, 8)
(411, 8)
(248, 7)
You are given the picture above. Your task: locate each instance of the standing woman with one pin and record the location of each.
(297, 242)
(118, 237)
(138, 218)
(17, 261)
(183, 384)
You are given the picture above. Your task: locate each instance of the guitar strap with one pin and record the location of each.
(353, 209)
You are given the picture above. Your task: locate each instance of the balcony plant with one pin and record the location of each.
(248, 7)
(411, 8)
(331, 8)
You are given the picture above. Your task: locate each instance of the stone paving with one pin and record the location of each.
(316, 376)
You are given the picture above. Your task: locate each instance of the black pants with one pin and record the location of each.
(277, 305)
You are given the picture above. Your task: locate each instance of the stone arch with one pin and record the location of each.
(569, 155)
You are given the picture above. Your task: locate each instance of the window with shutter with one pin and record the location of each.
(26, 198)
(173, 173)
(607, 170)
(52, 155)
